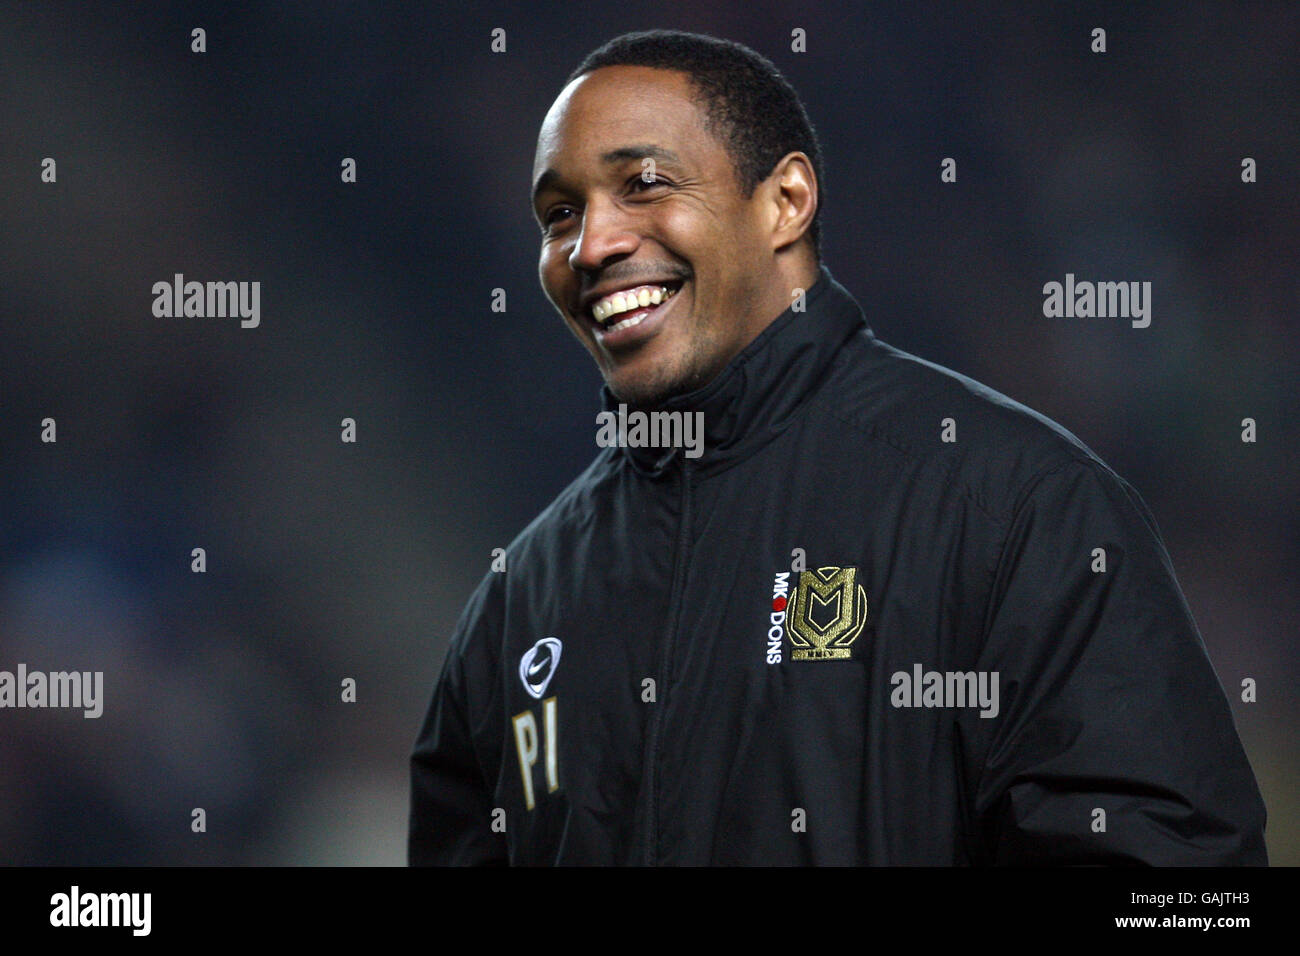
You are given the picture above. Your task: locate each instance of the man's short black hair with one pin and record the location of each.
(750, 107)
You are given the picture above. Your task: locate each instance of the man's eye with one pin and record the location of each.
(639, 184)
(552, 217)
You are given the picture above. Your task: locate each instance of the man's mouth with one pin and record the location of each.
(630, 307)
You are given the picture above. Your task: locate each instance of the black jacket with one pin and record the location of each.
(634, 688)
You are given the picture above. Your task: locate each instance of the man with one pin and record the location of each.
(881, 614)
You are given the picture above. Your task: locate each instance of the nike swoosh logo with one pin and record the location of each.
(537, 666)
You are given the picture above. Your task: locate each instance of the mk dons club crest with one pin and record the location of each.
(826, 614)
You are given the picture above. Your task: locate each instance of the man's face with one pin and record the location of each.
(606, 229)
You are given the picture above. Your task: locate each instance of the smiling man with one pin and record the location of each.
(716, 248)
(886, 616)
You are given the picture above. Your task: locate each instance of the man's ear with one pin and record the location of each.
(791, 199)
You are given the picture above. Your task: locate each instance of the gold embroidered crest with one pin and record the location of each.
(827, 613)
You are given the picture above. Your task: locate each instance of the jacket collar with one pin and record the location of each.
(756, 396)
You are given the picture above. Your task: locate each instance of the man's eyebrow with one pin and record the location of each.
(621, 155)
(545, 181)
(641, 151)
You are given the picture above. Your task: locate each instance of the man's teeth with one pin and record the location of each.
(629, 299)
(627, 323)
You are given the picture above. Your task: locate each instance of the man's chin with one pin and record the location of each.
(652, 386)
(639, 396)
(646, 392)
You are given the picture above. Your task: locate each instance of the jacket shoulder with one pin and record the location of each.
(532, 552)
(569, 511)
(937, 418)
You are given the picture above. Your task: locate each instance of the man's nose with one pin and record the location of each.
(606, 231)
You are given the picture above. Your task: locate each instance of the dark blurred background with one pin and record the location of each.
(329, 560)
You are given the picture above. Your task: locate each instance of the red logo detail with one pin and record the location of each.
(778, 604)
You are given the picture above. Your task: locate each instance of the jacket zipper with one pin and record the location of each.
(666, 669)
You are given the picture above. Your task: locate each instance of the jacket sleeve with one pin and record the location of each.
(1108, 699)
(452, 763)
